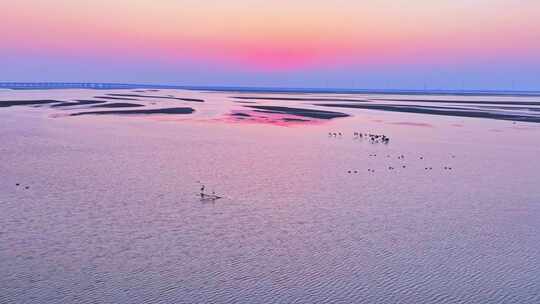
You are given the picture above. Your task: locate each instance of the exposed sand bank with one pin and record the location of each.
(299, 112)
(299, 99)
(460, 112)
(144, 112)
(153, 96)
(10, 103)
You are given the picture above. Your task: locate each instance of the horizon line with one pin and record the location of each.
(268, 89)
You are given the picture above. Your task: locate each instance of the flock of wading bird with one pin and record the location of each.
(373, 138)
(381, 139)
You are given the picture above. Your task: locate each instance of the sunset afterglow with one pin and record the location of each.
(242, 42)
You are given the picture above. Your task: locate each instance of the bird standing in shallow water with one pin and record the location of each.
(202, 191)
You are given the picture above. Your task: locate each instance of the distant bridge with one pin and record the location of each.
(74, 85)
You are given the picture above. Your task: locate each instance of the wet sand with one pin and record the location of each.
(458, 112)
(319, 114)
(11, 103)
(522, 109)
(475, 102)
(158, 97)
(518, 108)
(241, 114)
(115, 98)
(78, 103)
(299, 99)
(139, 112)
(118, 105)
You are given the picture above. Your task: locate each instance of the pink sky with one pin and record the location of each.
(274, 36)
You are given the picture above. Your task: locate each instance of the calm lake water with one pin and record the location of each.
(112, 213)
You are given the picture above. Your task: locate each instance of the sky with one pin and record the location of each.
(383, 44)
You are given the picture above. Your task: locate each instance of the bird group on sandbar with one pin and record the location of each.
(373, 138)
(382, 139)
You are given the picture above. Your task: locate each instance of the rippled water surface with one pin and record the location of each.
(107, 207)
